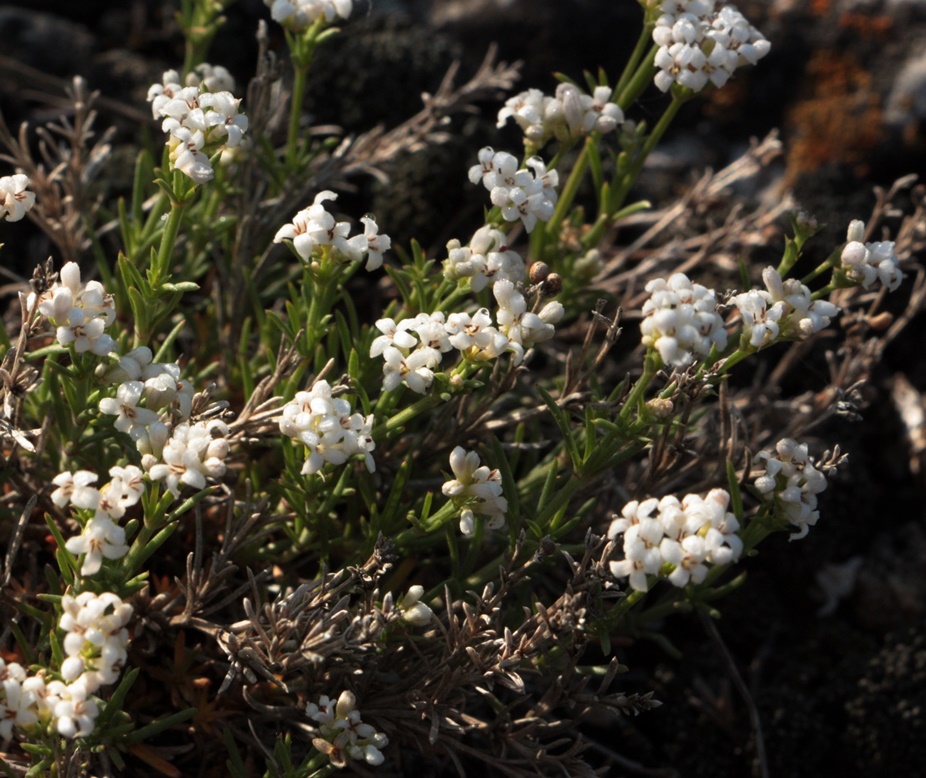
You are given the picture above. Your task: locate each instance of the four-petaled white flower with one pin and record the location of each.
(315, 227)
(475, 489)
(15, 199)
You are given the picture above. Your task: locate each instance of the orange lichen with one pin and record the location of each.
(867, 26)
(840, 122)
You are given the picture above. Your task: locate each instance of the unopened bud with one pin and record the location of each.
(553, 284)
(856, 231)
(539, 272)
(660, 409)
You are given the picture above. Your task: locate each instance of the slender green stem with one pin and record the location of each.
(404, 416)
(639, 388)
(735, 358)
(630, 177)
(295, 114)
(159, 273)
(633, 63)
(641, 79)
(571, 187)
(818, 271)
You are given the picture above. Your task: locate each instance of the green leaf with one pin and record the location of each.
(569, 441)
(510, 487)
(736, 496)
(234, 763)
(117, 698)
(158, 726)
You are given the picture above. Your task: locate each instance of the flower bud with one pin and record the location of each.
(539, 272)
(553, 284)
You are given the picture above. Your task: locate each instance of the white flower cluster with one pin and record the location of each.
(149, 398)
(689, 536)
(328, 428)
(153, 406)
(413, 348)
(80, 312)
(20, 698)
(703, 41)
(199, 122)
(95, 644)
(475, 489)
(522, 194)
(298, 14)
(569, 114)
(193, 452)
(485, 260)
(15, 199)
(342, 735)
(785, 309)
(96, 638)
(313, 227)
(101, 536)
(793, 482)
(868, 263)
(680, 320)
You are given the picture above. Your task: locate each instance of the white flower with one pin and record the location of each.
(523, 328)
(680, 320)
(96, 638)
(328, 428)
(125, 407)
(396, 335)
(200, 118)
(193, 453)
(75, 711)
(486, 259)
(159, 95)
(344, 735)
(371, 243)
(415, 370)
(128, 367)
(413, 610)
(869, 263)
(19, 698)
(792, 481)
(15, 199)
(298, 14)
(211, 78)
(186, 154)
(703, 41)
(313, 226)
(690, 535)
(79, 312)
(568, 115)
(102, 537)
(75, 488)
(760, 319)
(525, 194)
(475, 488)
(800, 315)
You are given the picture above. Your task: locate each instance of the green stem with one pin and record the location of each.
(159, 273)
(404, 416)
(639, 388)
(735, 358)
(568, 194)
(292, 139)
(633, 63)
(620, 194)
(818, 271)
(641, 79)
